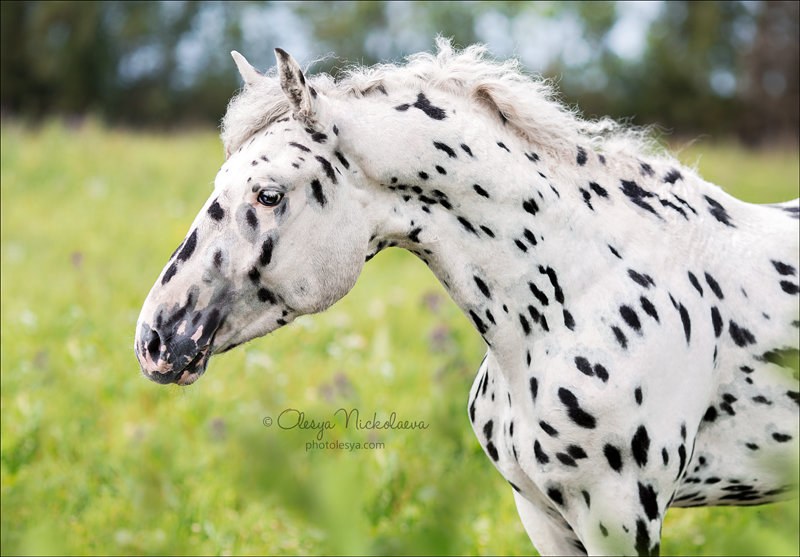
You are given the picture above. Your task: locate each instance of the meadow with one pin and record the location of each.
(98, 460)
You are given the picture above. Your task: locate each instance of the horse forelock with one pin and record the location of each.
(529, 104)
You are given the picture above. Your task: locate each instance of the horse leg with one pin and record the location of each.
(746, 447)
(621, 517)
(549, 532)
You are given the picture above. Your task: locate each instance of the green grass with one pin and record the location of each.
(96, 459)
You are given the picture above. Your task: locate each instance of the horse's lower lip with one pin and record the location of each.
(197, 359)
(196, 367)
(188, 379)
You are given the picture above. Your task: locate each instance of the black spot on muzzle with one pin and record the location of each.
(181, 341)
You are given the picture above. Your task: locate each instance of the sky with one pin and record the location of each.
(276, 24)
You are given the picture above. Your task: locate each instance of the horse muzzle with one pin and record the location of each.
(175, 356)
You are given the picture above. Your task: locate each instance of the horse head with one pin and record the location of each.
(283, 234)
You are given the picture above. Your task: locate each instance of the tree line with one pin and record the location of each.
(721, 68)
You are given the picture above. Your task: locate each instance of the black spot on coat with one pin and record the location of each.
(487, 430)
(613, 457)
(541, 456)
(188, 246)
(640, 445)
(480, 191)
(534, 386)
(574, 411)
(601, 372)
(344, 162)
(215, 211)
(740, 335)
(643, 540)
(425, 106)
(630, 317)
(266, 296)
(467, 225)
(581, 158)
(641, 279)
(586, 198)
(789, 287)
(583, 366)
(526, 327)
(599, 190)
(672, 176)
(541, 296)
(687, 324)
(695, 282)
(442, 147)
(266, 252)
(637, 195)
(714, 286)
(783, 268)
(649, 308)
(622, 340)
(492, 450)
(548, 429)
(326, 166)
(478, 322)
(569, 321)
(482, 287)
(316, 190)
(556, 496)
(647, 497)
(551, 274)
(716, 321)
(530, 206)
(250, 217)
(169, 273)
(718, 211)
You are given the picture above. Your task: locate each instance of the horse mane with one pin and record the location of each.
(528, 104)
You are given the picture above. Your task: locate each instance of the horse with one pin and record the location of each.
(634, 314)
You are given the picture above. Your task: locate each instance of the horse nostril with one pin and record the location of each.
(154, 346)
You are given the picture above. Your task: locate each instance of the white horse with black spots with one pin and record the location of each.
(635, 315)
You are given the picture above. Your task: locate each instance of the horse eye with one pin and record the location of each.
(269, 198)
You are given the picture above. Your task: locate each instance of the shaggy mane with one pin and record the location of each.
(529, 104)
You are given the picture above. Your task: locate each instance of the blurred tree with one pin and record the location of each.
(688, 73)
(769, 83)
(145, 40)
(694, 67)
(55, 56)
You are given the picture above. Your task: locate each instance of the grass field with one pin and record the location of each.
(98, 460)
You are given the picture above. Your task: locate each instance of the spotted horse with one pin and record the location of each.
(635, 315)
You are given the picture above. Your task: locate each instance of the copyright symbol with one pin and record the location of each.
(267, 421)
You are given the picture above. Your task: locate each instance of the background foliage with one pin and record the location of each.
(95, 196)
(696, 67)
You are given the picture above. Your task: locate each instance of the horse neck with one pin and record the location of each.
(465, 194)
(488, 212)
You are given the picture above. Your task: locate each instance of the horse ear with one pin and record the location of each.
(294, 86)
(250, 75)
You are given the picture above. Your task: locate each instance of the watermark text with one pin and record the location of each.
(344, 419)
